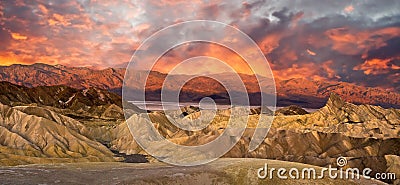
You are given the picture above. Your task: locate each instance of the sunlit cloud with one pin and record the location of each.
(311, 52)
(349, 9)
(18, 36)
(333, 40)
(378, 66)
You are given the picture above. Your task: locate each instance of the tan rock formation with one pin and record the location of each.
(44, 138)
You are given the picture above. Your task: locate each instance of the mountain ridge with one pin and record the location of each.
(302, 92)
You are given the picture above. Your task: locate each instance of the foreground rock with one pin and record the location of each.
(346, 118)
(222, 171)
(366, 135)
(45, 137)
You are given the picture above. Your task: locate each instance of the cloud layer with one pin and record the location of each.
(352, 41)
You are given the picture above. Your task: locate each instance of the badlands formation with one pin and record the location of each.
(64, 125)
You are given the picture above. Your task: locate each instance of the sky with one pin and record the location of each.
(353, 41)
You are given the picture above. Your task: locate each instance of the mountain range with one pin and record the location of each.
(296, 91)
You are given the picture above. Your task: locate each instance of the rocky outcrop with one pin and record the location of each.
(291, 110)
(366, 135)
(336, 117)
(47, 114)
(321, 149)
(44, 137)
(393, 166)
(346, 118)
(316, 148)
(92, 102)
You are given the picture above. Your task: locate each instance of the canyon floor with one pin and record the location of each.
(221, 171)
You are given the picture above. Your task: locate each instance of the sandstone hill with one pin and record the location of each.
(368, 136)
(44, 137)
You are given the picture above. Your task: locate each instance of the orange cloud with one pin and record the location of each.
(43, 9)
(8, 59)
(349, 9)
(59, 20)
(18, 36)
(312, 71)
(311, 52)
(351, 42)
(377, 66)
(303, 70)
(270, 42)
(183, 52)
(327, 69)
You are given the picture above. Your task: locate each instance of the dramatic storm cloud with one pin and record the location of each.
(354, 41)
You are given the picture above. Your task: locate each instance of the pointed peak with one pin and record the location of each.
(335, 101)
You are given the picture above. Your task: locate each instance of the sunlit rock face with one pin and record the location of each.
(45, 137)
(365, 134)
